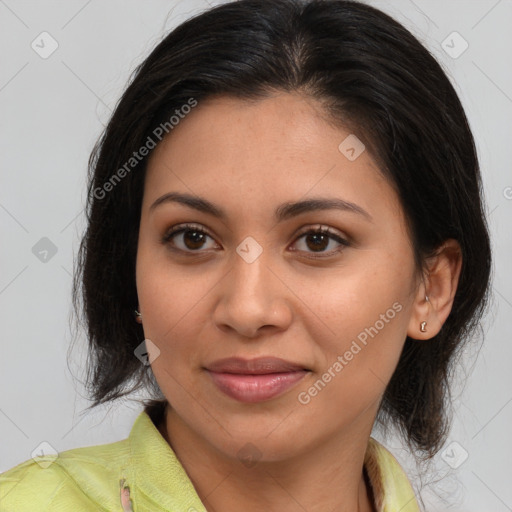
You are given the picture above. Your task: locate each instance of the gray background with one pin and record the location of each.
(53, 110)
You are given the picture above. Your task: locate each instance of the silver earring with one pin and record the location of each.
(138, 317)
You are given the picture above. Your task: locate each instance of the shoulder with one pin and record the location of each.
(72, 480)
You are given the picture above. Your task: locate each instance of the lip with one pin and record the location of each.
(257, 366)
(255, 380)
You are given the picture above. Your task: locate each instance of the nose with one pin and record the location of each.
(253, 299)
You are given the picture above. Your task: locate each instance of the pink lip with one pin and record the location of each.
(255, 380)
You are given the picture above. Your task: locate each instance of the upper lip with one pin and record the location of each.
(258, 366)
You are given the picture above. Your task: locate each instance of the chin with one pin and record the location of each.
(257, 450)
(261, 440)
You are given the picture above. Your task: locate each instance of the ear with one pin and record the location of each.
(138, 318)
(439, 284)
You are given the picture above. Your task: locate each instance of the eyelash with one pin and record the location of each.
(182, 228)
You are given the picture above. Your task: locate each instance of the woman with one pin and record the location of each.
(286, 244)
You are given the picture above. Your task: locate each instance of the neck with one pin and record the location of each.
(328, 476)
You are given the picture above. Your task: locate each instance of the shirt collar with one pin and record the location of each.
(391, 488)
(157, 471)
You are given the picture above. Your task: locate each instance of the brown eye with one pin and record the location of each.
(193, 239)
(187, 238)
(318, 240)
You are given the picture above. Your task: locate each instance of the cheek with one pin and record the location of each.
(365, 316)
(358, 367)
(356, 302)
(171, 300)
(173, 319)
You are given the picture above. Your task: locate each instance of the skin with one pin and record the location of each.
(247, 158)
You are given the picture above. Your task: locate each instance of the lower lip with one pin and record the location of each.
(256, 388)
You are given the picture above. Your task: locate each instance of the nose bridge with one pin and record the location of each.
(250, 274)
(251, 296)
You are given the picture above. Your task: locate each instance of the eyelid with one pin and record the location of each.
(321, 228)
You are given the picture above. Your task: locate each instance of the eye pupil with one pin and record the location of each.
(318, 237)
(195, 237)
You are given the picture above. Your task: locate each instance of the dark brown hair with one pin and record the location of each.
(371, 74)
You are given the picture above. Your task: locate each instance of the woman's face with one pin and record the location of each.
(333, 307)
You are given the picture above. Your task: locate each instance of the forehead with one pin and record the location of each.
(250, 153)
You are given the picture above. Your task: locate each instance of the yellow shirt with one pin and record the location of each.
(142, 474)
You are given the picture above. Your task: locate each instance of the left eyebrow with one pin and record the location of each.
(288, 210)
(283, 212)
